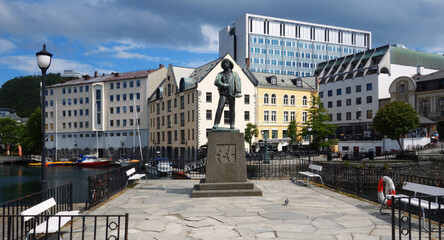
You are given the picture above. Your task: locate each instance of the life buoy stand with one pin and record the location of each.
(389, 189)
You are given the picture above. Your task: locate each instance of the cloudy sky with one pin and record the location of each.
(130, 35)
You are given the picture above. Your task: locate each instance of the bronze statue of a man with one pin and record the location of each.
(229, 86)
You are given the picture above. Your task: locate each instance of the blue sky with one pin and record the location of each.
(130, 35)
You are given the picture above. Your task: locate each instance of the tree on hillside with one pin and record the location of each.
(9, 132)
(317, 118)
(250, 132)
(395, 120)
(23, 93)
(292, 132)
(31, 135)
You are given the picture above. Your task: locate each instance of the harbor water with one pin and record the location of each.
(20, 180)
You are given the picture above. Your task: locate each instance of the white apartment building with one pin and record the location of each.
(352, 88)
(183, 107)
(107, 114)
(283, 46)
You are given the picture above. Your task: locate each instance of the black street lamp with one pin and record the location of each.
(309, 143)
(43, 61)
(266, 147)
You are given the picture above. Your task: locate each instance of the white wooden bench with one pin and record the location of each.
(132, 175)
(312, 167)
(53, 224)
(423, 204)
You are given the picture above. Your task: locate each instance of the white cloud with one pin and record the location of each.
(211, 40)
(6, 46)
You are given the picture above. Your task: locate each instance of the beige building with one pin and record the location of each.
(104, 113)
(182, 109)
(280, 100)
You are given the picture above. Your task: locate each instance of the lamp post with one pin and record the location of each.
(43, 61)
(266, 147)
(309, 143)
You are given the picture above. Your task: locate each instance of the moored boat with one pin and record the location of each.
(92, 161)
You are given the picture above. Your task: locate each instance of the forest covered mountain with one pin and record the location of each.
(23, 93)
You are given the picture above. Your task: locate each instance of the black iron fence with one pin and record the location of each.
(419, 217)
(103, 186)
(78, 227)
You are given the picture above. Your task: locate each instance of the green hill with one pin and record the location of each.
(23, 93)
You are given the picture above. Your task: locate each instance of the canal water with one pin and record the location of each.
(19, 180)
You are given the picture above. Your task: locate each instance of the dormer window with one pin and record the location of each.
(273, 80)
(299, 83)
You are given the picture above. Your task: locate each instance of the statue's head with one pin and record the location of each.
(227, 64)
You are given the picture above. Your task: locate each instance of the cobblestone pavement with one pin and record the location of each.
(163, 209)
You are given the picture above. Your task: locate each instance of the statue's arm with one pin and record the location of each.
(218, 82)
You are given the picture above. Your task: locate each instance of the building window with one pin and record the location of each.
(358, 88)
(266, 119)
(321, 94)
(358, 115)
(338, 91)
(369, 86)
(330, 93)
(273, 116)
(348, 102)
(348, 115)
(338, 116)
(226, 117)
(182, 102)
(209, 97)
(401, 88)
(358, 100)
(348, 90)
(304, 116)
(304, 100)
(274, 133)
(273, 99)
(246, 99)
(292, 100)
(369, 114)
(182, 119)
(369, 99)
(292, 116)
(285, 99)
(330, 104)
(338, 103)
(285, 116)
(247, 115)
(266, 98)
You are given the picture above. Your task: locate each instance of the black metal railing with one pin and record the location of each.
(78, 227)
(103, 186)
(276, 166)
(417, 217)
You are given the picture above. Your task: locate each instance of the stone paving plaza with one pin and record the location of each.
(163, 209)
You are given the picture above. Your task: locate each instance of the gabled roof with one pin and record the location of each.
(430, 82)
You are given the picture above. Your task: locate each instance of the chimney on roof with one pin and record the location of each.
(419, 69)
(161, 66)
(116, 74)
(96, 74)
(86, 77)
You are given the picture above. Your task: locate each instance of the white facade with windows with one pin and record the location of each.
(283, 46)
(107, 114)
(352, 87)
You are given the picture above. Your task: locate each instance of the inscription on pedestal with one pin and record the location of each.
(226, 153)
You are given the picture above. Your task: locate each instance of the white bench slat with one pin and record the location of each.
(312, 167)
(39, 208)
(429, 190)
(53, 222)
(130, 172)
(424, 203)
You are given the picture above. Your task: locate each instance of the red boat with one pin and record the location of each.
(92, 161)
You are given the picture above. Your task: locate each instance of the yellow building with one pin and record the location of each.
(281, 99)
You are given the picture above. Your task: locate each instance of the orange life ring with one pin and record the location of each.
(389, 190)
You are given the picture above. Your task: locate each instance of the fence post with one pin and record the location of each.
(393, 218)
(70, 196)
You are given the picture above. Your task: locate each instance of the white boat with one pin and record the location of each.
(92, 161)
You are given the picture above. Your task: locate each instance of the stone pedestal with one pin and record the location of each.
(226, 168)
